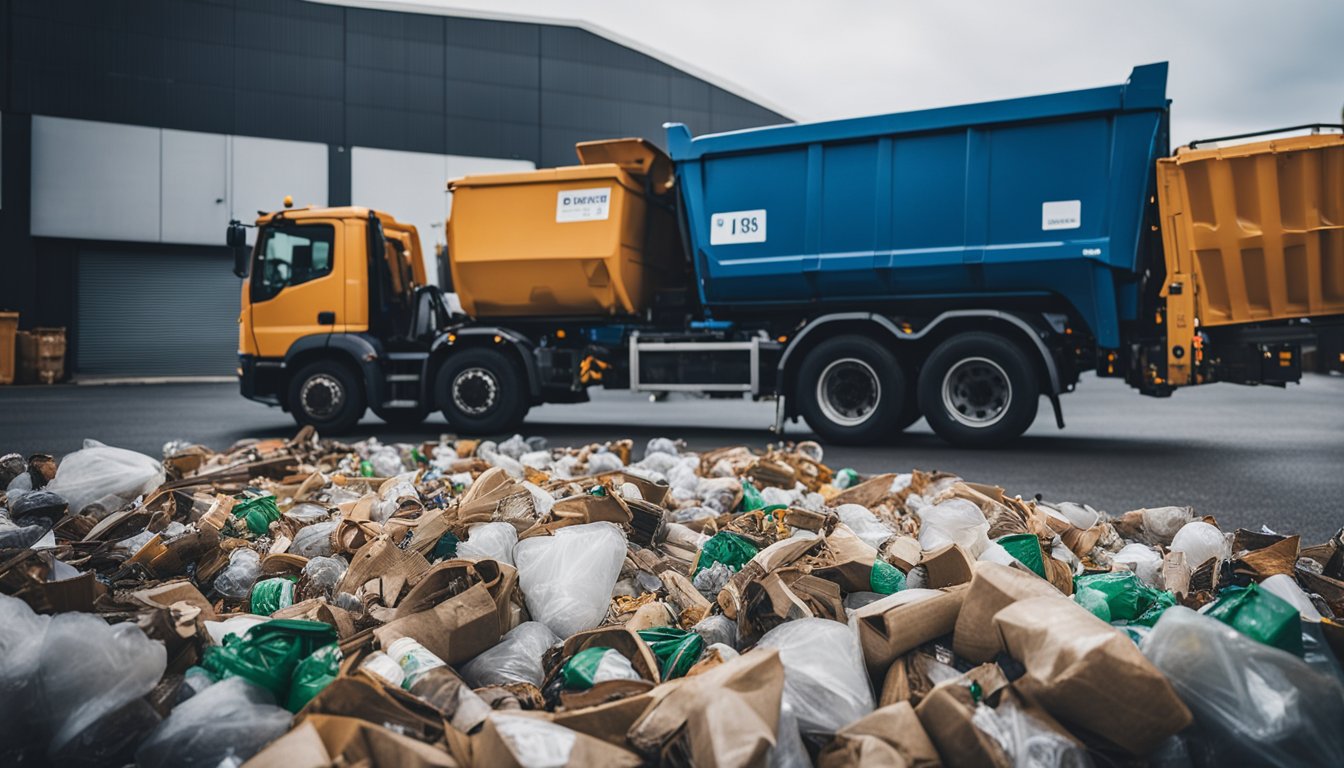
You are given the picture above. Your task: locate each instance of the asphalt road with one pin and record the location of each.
(1248, 456)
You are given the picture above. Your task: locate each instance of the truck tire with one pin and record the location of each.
(978, 389)
(851, 390)
(910, 412)
(328, 396)
(482, 392)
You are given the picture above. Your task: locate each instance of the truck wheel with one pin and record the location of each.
(328, 396)
(481, 392)
(978, 389)
(910, 412)
(851, 390)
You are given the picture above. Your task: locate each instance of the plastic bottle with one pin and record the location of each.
(434, 682)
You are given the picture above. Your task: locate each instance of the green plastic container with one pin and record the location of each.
(886, 578)
(728, 548)
(257, 513)
(270, 595)
(752, 499)
(676, 649)
(1026, 548)
(1260, 615)
(268, 654)
(1120, 596)
(312, 675)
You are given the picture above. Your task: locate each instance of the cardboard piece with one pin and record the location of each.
(993, 587)
(456, 629)
(610, 720)
(947, 566)
(321, 741)
(890, 736)
(1090, 675)
(380, 558)
(846, 560)
(898, 623)
(902, 551)
(515, 740)
(723, 718)
(579, 510)
(368, 698)
(946, 716)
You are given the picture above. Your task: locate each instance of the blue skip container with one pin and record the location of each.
(1034, 197)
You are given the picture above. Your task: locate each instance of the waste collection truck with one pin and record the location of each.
(956, 264)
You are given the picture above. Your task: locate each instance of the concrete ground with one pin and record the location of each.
(1248, 456)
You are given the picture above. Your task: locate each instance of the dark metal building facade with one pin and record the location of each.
(310, 72)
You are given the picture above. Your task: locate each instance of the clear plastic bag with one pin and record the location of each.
(825, 681)
(604, 461)
(314, 540)
(321, 575)
(239, 575)
(865, 524)
(1252, 703)
(88, 669)
(1029, 742)
(515, 659)
(1200, 542)
(660, 445)
(226, 723)
(717, 629)
(789, 751)
(954, 521)
(21, 633)
(1144, 561)
(100, 479)
(567, 577)
(494, 541)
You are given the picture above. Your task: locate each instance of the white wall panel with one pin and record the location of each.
(263, 171)
(412, 186)
(195, 187)
(95, 180)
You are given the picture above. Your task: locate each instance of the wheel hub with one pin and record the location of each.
(977, 392)
(322, 396)
(475, 391)
(848, 391)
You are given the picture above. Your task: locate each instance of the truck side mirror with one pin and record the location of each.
(237, 240)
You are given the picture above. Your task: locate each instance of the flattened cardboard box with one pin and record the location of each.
(321, 741)
(897, 624)
(992, 588)
(456, 630)
(890, 736)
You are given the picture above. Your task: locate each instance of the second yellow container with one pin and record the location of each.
(590, 240)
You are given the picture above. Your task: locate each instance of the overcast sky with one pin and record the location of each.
(1236, 65)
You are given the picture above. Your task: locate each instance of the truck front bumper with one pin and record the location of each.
(260, 379)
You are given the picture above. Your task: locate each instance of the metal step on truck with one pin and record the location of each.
(956, 264)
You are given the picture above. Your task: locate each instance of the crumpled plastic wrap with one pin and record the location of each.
(829, 690)
(1253, 704)
(99, 479)
(954, 521)
(225, 724)
(568, 576)
(1029, 742)
(494, 541)
(88, 668)
(516, 659)
(240, 574)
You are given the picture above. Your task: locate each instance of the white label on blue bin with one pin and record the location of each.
(736, 227)
(583, 205)
(1062, 214)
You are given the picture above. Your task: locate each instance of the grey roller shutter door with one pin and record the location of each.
(156, 315)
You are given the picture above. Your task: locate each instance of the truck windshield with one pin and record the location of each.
(289, 255)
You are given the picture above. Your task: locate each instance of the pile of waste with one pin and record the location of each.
(470, 603)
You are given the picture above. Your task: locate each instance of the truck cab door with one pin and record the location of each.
(297, 284)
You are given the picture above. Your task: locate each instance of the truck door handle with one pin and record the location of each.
(326, 318)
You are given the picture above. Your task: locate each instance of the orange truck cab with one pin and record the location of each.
(337, 315)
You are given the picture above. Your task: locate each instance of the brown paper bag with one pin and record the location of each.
(321, 741)
(896, 624)
(514, 740)
(456, 630)
(890, 736)
(361, 696)
(993, 587)
(947, 566)
(1090, 675)
(723, 718)
(946, 716)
